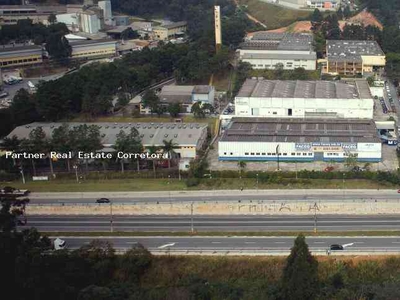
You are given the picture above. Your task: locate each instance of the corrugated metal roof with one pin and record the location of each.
(300, 130)
(184, 134)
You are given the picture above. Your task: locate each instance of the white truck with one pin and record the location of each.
(31, 86)
(59, 244)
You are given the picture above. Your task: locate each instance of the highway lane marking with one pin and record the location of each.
(249, 242)
(319, 242)
(132, 242)
(395, 242)
(215, 242)
(280, 242)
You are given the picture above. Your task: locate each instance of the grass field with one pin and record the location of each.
(271, 15)
(175, 184)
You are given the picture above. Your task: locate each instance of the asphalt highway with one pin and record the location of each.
(245, 244)
(217, 195)
(82, 223)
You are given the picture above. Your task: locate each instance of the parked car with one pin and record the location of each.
(103, 200)
(358, 169)
(328, 169)
(336, 247)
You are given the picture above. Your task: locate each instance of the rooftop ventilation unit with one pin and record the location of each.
(151, 135)
(165, 135)
(175, 135)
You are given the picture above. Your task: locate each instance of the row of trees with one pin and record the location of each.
(152, 101)
(52, 35)
(83, 138)
(90, 90)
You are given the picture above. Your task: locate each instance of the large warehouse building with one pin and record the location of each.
(189, 137)
(350, 57)
(304, 99)
(264, 139)
(268, 50)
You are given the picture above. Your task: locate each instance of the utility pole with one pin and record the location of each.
(111, 218)
(277, 153)
(257, 181)
(76, 172)
(22, 173)
(315, 216)
(191, 219)
(343, 186)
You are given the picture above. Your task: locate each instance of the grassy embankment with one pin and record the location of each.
(141, 184)
(271, 15)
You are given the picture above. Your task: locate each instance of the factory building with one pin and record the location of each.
(11, 14)
(165, 32)
(186, 95)
(93, 48)
(267, 139)
(189, 137)
(269, 50)
(350, 57)
(20, 56)
(304, 99)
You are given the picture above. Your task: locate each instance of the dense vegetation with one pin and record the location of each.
(32, 270)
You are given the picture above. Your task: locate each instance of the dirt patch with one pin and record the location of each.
(365, 18)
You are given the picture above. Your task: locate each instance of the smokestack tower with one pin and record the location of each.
(217, 24)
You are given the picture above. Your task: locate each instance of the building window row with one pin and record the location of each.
(19, 61)
(95, 52)
(274, 154)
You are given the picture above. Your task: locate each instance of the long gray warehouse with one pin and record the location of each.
(266, 139)
(189, 137)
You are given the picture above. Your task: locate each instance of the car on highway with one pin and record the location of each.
(329, 169)
(7, 190)
(103, 200)
(336, 247)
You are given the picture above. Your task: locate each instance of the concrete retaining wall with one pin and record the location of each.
(364, 207)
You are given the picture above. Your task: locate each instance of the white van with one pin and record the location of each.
(31, 86)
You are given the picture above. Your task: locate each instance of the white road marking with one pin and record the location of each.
(166, 245)
(215, 242)
(280, 242)
(319, 242)
(250, 242)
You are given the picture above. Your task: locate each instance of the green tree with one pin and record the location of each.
(23, 108)
(128, 143)
(93, 292)
(347, 12)
(152, 150)
(52, 18)
(134, 263)
(316, 16)
(242, 165)
(151, 100)
(351, 161)
(36, 143)
(174, 109)
(168, 150)
(300, 275)
(60, 140)
(86, 138)
(197, 110)
(57, 46)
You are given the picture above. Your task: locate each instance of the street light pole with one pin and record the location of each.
(277, 153)
(257, 180)
(111, 218)
(343, 186)
(191, 219)
(22, 173)
(76, 173)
